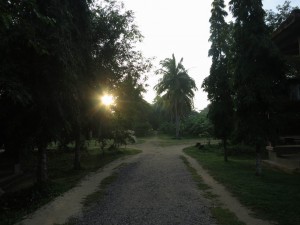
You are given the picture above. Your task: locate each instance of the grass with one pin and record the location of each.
(94, 197)
(274, 196)
(71, 221)
(196, 177)
(165, 140)
(140, 141)
(225, 217)
(222, 215)
(15, 205)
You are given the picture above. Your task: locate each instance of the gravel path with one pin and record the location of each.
(155, 189)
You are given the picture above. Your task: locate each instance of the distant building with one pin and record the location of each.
(287, 36)
(286, 153)
(287, 39)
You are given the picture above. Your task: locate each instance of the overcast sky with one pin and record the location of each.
(182, 28)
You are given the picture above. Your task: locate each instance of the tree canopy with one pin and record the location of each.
(258, 73)
(218, 84)
(274, 19)
(176, 89)
(58, 57)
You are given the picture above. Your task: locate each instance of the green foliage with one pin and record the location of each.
(195, 124)
(218, 84)
(160, 113)
(58, 56)
(198, 124)
(131, 109)
(14, 206)
(274, 19)
(272, 196)
(121, 137)
(258, 72)
(176, 90)
(46, 53)
(225, 217)
(122, 66)
(218, 30)
(115, 35)
(167, 128)
(142, 129)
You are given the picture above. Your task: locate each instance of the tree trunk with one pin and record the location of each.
(177, 120)
(77, 164)
(177, 126)
(17, 160)
(258, 168)
(91, 135)
(225, 150)
(42, 174)
(17, 168)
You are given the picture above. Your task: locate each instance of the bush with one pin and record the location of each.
(142, 129)
(167, 128)
(197, 124)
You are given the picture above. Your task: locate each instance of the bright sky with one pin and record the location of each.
(182, 28)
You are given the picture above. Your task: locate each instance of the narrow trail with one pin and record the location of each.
(154, 187)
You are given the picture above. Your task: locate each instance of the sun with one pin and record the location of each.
(107, 100)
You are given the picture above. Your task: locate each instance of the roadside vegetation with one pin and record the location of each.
(221, 214)
(273, 196)
(91, 199)
(27, 196)
(162, 139)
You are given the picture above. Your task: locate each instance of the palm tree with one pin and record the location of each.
(176, 89)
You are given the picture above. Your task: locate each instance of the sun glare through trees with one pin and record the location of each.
(107, 100)
(87, 82)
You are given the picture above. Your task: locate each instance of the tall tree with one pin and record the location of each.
(177, 89)
(82, 76)
(218, 83)
(257, 75)
(118, 67)
(57, 56)
(44, 57)
(64, 71)
(130, 105)
(274, 19)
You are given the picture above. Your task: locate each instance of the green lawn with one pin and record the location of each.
(221, 214)
(165, 140)
(274, 196)
(15, 205)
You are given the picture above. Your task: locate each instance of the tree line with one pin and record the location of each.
(247, 81)
(57, 58)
